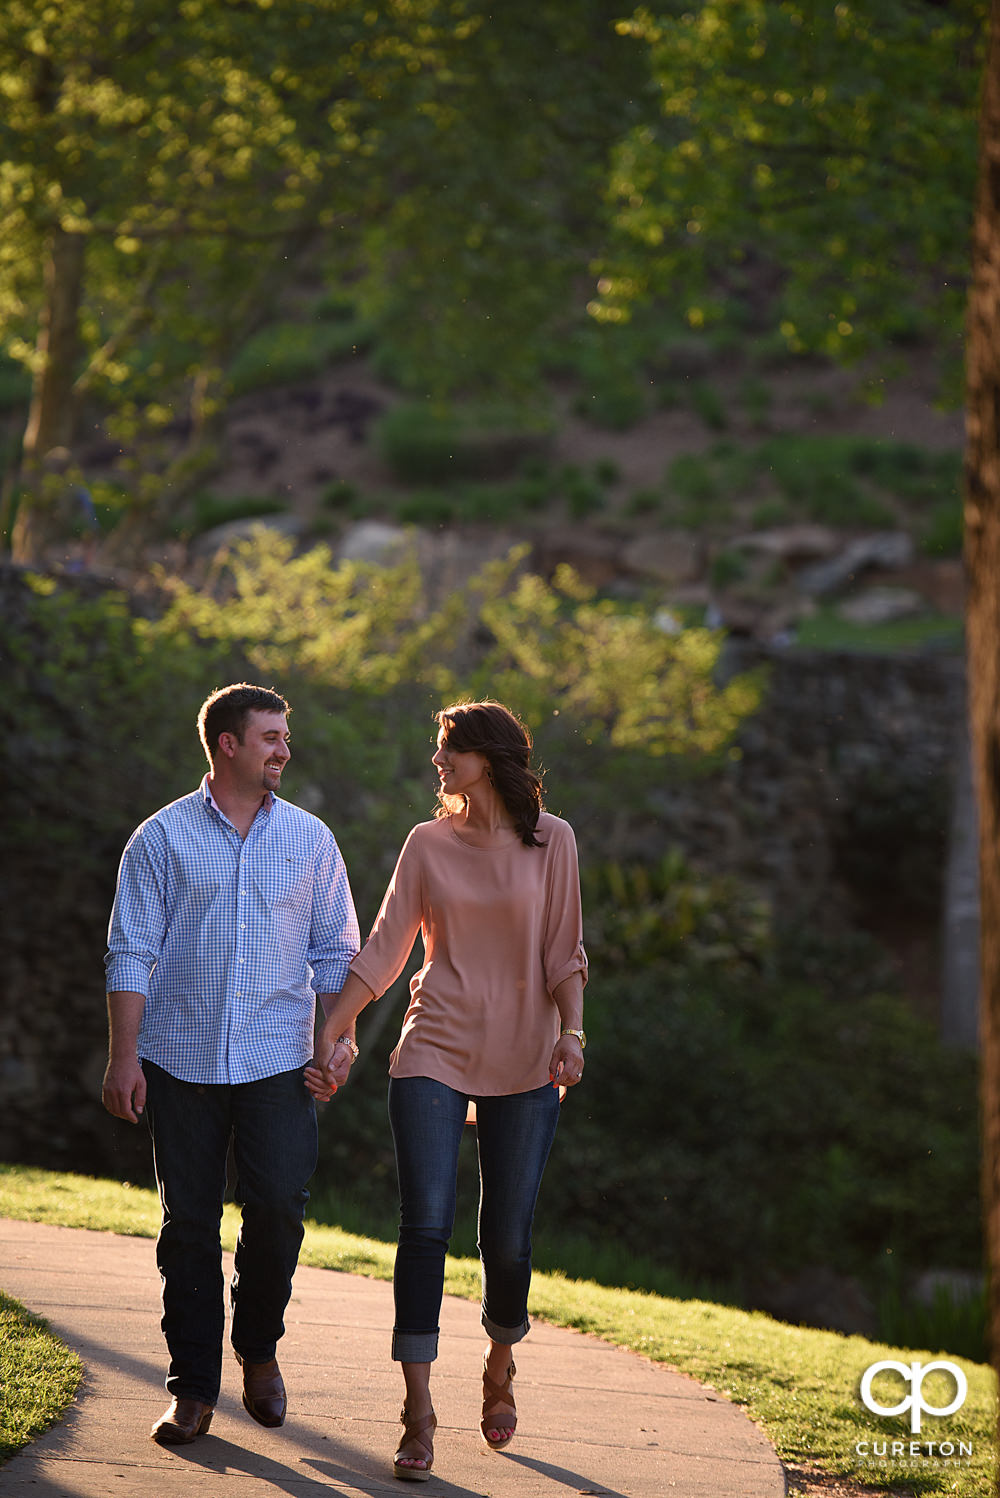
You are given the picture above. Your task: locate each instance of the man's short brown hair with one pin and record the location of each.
(227, 710)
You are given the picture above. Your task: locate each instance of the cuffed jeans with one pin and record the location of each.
(515, 1135)
(272, 1124)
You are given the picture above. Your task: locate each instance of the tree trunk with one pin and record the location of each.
(960, 917)
(982, 551)
(52, 416)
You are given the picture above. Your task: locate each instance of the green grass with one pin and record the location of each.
(834, 480)
(827, 631)
(285, 352)
(206, 510)
(39, 1376)
(800, 1385)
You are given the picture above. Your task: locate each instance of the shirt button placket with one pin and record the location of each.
(236, 1011)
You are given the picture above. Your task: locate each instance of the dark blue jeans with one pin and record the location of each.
(515, 1135)
(272, 1124)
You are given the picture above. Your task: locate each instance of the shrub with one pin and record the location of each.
(776, 1119)
(427, 507)
(583, 498)
(15, 385)
(205, 511)
(694, 478)
(943, 532)
(285, 352)
(728, 566)
(340, 495)
(644, 502)
(616, 402)
(757, 400)
(424, 445)
(709, 405)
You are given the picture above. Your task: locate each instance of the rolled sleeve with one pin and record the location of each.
(138, 917)
(562, 946)
(576, 964)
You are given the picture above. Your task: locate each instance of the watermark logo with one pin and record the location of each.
(914, 1375)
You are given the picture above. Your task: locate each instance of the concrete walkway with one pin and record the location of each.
(594, 1420)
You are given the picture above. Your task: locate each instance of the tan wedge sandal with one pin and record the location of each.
(413, 1430)
(495, 1396)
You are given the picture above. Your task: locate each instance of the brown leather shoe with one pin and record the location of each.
(182, 1422)
(264, 1392)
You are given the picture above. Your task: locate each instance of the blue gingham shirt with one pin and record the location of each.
(230, 939)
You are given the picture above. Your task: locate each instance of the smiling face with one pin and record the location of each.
(256, 761)
(458, 769)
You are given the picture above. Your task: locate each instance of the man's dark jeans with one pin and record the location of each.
(272, 1124)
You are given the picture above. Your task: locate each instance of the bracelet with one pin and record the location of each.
(581, 1036)
(346, 1040)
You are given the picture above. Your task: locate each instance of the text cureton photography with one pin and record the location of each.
(916, 1403)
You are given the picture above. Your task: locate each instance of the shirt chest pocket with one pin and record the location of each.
(284, 883)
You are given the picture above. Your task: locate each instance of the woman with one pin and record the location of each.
(495, 1019)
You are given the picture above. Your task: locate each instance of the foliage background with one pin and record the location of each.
(459, 182)
(755, 1107)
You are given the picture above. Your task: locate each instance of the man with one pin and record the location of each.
(232, 912)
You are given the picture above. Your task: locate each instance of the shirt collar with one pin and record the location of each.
(210, 800)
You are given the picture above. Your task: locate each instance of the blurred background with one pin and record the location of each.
(605, 362)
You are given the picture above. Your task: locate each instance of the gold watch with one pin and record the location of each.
(581, 1036)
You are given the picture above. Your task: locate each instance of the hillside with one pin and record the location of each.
(782, 498)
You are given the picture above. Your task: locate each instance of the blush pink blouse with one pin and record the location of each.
(501, 929)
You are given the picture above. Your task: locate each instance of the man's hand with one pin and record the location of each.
(317, 1085)
(329, 1069)
(124, 1090)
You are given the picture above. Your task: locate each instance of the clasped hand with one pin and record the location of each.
(329, 1069)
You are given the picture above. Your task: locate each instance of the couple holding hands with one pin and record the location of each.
(233, 912)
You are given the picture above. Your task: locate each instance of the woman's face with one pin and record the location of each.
(458, 769)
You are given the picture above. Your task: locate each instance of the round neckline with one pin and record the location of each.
(477, 847)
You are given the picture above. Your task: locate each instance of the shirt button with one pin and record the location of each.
(243, 959)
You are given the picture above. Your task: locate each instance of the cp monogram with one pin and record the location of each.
(914, 1374)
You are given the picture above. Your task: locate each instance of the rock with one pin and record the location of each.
(888, 550)
(375, 541)
(940, 583)
(880, 606)
(591, 554)
(222, 537)
(765, 619)
(451, 555)
(690, 596)
(668, 622)
(668, 556)
(791, 543)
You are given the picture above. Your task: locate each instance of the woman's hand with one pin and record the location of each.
(566, 1066)
(329, 1070)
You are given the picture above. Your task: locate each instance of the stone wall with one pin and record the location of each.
(841, 784)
